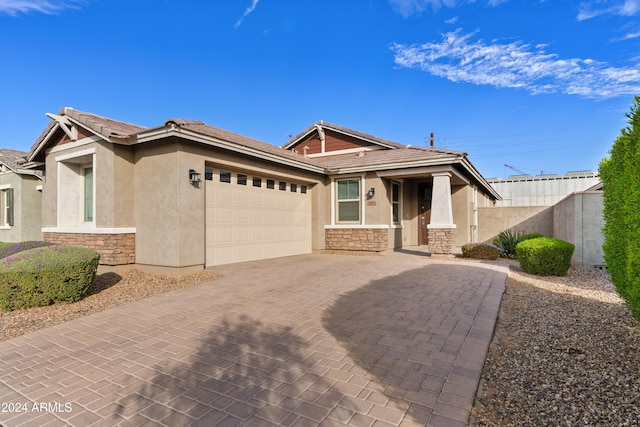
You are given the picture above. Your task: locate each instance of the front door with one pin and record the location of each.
(424, 211)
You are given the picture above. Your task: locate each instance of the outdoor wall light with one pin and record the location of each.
(371, 193)
(194, 176)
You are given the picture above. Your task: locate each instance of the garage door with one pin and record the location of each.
(251, 217)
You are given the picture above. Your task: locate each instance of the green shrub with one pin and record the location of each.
(620, 174)
(481, 251)
(545, 256)
(507, 241)
(40, 276)
(7, 249)
(531, 236)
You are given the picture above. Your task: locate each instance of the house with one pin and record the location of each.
(20, 199)
(185, 195)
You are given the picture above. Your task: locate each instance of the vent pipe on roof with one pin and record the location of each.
(431, 140)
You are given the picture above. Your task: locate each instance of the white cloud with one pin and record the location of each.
(607, 7)
(458, 58)
(415, 7)
(250, 9)
(14, 7)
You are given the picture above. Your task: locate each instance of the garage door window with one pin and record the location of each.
(349, 200)
(242, 179)
(225, 176)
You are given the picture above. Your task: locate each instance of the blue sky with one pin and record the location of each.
(542, 86)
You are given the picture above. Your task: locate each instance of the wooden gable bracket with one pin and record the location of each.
(65, 124)
(322, 137)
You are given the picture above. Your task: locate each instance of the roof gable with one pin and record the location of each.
(326, 139)
(13, 160)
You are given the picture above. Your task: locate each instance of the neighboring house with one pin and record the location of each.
(541, 190)
(20, 199)
(185, 195)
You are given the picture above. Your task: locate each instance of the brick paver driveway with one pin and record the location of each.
(307, 340)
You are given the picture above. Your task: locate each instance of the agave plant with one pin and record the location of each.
(507, 241)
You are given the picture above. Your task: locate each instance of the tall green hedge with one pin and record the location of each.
(620, 174)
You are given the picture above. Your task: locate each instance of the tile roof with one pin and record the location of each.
(14, 160)
(119, 132)
(241, 140)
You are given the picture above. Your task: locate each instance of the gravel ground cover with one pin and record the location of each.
(108, 290)
(566, 352)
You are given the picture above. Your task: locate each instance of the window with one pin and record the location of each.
(208, 174)
(225, 176)
(257, 182)
(283, 186)
(271, 184)
(349, 200)
(294, 188)
(303, 189)
(395, 201)
(88, 194)
(6, 207)
(242, 179)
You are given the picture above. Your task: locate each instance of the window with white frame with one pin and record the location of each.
(88, 193)
(396, 195)
(6, 207)
(348, 200)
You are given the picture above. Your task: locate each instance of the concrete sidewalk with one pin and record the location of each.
(395, 340)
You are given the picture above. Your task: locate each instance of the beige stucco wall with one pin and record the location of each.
(113, 187)
(461, 198)
(169, 210)
(528, 219)
(27, 202)
(579, 219)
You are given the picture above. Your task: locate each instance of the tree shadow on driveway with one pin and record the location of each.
(244, 372)
(423, 335)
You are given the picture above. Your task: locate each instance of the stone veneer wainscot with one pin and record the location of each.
(357, 239)
(114, 249)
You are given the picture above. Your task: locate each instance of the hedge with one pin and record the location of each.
(7, 249)
(481, 251)
(40, 276)
(545, 256)
(620, 174)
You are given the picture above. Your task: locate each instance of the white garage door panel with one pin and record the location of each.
(245, 223)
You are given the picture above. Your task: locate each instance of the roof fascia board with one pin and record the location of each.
(75, 144)
(345, 151)
(403, 165)
(464, 162)
(216, 142)
(44, 142)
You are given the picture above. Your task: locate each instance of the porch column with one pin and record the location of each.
(441, 227)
